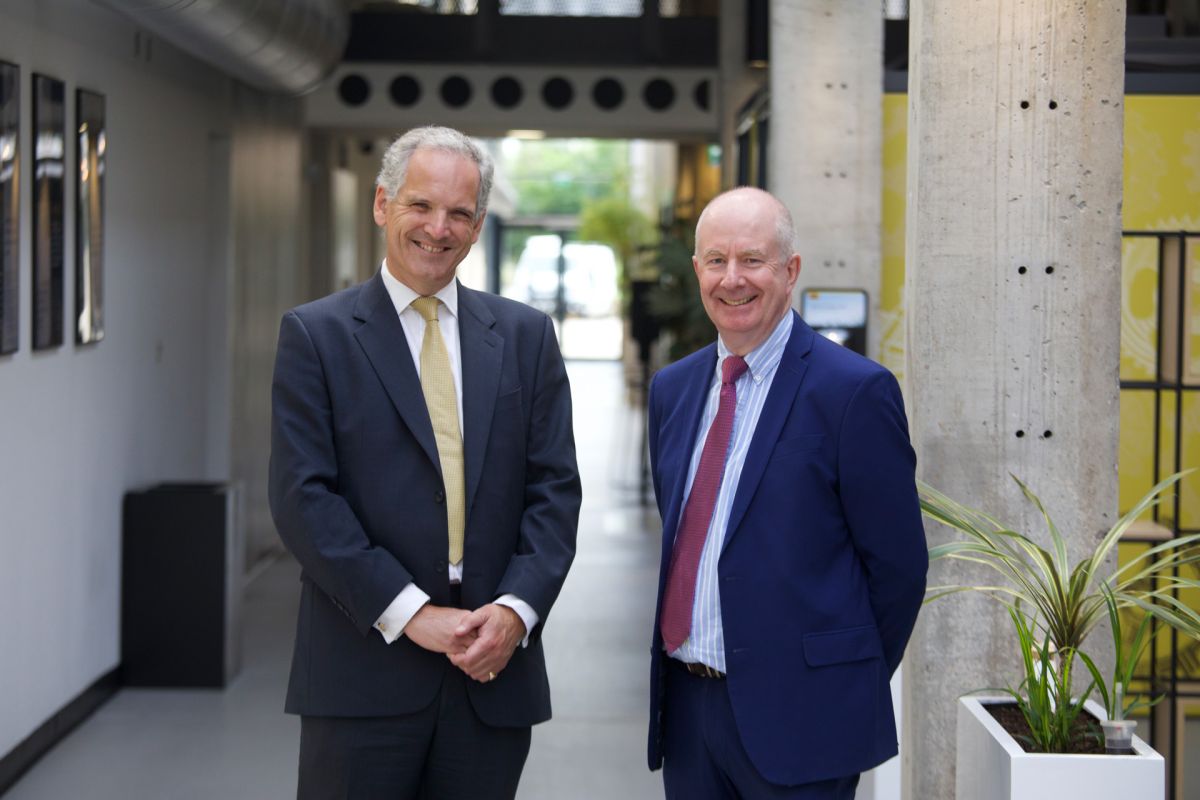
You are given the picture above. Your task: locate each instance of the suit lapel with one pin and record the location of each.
(482, 363)
(382, 339)
(693, 396)
(780, 399)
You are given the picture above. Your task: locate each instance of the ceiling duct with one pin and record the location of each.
(275, 45)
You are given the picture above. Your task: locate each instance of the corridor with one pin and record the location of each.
(238, 743)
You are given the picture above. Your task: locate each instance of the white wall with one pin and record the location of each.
(81, 425)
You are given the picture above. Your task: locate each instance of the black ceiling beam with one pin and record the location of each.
(561, 41)
(895, 44)
(1155, 63)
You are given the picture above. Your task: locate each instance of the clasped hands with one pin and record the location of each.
(478, 642)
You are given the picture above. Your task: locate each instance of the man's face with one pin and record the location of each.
(430, 224)
(745, 283)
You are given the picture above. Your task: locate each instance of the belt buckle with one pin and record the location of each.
(703, 670)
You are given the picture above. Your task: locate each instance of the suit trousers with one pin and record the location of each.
(443, 752)
(703, 756)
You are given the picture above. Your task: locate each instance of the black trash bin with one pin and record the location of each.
(181, 587)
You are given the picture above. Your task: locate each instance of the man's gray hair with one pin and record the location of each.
(785, 229)
(434, 137)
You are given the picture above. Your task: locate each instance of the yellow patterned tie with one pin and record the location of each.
(437, 382)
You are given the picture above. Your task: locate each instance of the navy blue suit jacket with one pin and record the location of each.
(357, 495)
(823, 566)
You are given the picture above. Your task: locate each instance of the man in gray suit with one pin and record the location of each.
(423, 473)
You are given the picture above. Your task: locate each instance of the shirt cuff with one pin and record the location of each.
(393, 619)
(524, 611)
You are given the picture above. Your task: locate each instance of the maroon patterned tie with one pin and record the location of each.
(697, 514)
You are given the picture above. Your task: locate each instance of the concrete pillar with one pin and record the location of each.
(824, 158)
(1013, 299)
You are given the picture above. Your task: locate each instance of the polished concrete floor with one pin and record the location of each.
(238, 743)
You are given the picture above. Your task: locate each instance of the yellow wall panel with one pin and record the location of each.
(1162, 163)
(1192, 310)
(1139, 309)
(1190, 492)
(1135, 459)
(895, 177)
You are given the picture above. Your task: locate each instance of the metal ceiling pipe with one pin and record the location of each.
(275, 45)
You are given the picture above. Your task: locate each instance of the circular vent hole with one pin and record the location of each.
(507, 92)
(659, 94)
(405, 91)
(456, 91)
(557, 93)
(608, 94)
(354, 90)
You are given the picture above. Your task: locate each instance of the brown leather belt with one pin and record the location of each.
(697, 669)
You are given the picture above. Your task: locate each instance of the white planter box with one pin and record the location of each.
(990, 765)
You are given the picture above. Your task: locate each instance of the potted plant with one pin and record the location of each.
(1054, 606)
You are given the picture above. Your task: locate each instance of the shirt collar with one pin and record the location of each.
(762, 360)
(402, 296)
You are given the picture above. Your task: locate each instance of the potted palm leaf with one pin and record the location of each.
(1054, 605)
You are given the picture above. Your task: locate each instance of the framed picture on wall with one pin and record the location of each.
(49, 173)
(10, 210)
(91, 142)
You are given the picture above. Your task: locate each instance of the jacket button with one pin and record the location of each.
(439, 496)
(440, 566)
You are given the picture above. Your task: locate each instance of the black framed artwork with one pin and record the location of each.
(49, 173)
(92, 142)
(10, 214)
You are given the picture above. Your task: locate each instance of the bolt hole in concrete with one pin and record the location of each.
(1024, 104)
(1049, 270)
(1047, 434)
(1053, 105)
(1022, 270)
(1020, 434)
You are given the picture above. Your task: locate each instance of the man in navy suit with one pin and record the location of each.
(423, 473)
(794, 557)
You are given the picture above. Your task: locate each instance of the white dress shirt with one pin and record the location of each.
(706, 644)
(411, 598)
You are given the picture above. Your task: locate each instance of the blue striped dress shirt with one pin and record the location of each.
(706, 644)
